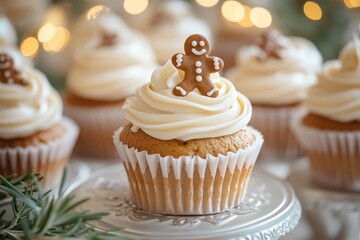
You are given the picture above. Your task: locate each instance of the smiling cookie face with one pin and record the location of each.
(197, 45)
(6, 62)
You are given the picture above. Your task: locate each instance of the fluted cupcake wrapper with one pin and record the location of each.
(274, 124)
(188, 185)
(47, 158)
(334, 155)
(97, 125)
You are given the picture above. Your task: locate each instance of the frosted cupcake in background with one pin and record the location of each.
(188, 149)
(33, 133)
(330, 132)
(106, 69)
(275, 75)
(169, 26)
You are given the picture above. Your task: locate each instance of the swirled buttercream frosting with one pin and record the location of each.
(163, 115)
(28, 103)
(113, 72)
(276, 81)
(337, 94)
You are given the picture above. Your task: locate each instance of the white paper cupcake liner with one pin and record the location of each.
(188, 185)
(274, 123)
(47, 158)
(334, 155)
(97, 125)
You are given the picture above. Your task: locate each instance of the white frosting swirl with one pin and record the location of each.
(111, 73)
(161, 114)
(168, 37)
(277, 81)
(25, 110)
(7, 33)
(337, 94)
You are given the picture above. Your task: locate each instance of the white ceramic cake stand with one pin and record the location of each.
(270, 210)
(332, 214)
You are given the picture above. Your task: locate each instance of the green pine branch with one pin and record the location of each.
(46, 215)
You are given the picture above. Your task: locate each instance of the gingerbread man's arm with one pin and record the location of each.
(180, 61)
(215, 64)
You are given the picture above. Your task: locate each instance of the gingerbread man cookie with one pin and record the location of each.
(271, 45)
(8, 73)
(197, 66)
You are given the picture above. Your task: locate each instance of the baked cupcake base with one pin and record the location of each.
(333, 154)
(46, 152)
(274, 123)
(97, 121)
(189, 185)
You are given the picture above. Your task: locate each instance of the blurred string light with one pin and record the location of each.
(260, 17)
(352, 3)
(95, 11)
(312, 10)
(207, 3)
(233, 11)
(59, 41)
(246, 21)
(29, 47)
(54, 39)
(46, 32)
(135, 6)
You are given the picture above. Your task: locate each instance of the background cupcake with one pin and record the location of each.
(275, 75)
(33, 133)
(169, 26)
(188, 152)
(106, 69)
(330, 132)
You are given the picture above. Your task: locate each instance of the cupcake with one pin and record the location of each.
(107, 69)
(188, 149)
(33, 133)
(330, 131)
(275, 75)
(169, 26)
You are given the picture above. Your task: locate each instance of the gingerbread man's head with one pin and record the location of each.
(197, 45)
(6, 62)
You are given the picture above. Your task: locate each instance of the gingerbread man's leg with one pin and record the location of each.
(183, 88)
(208, 89)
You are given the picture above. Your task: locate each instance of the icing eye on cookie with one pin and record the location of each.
(197, 66)
(8, 73)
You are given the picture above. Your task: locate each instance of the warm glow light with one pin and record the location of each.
(135, 6)
(352, 3)
(93, 12)
(312, 10)
(233, 11)
(246, 21)
(260, 17)
(59, 41)
(207, 3)
(46, 32)
(29, 47)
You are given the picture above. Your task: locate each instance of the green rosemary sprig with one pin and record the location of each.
(46, 215)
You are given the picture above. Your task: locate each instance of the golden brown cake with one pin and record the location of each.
(188, 151)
